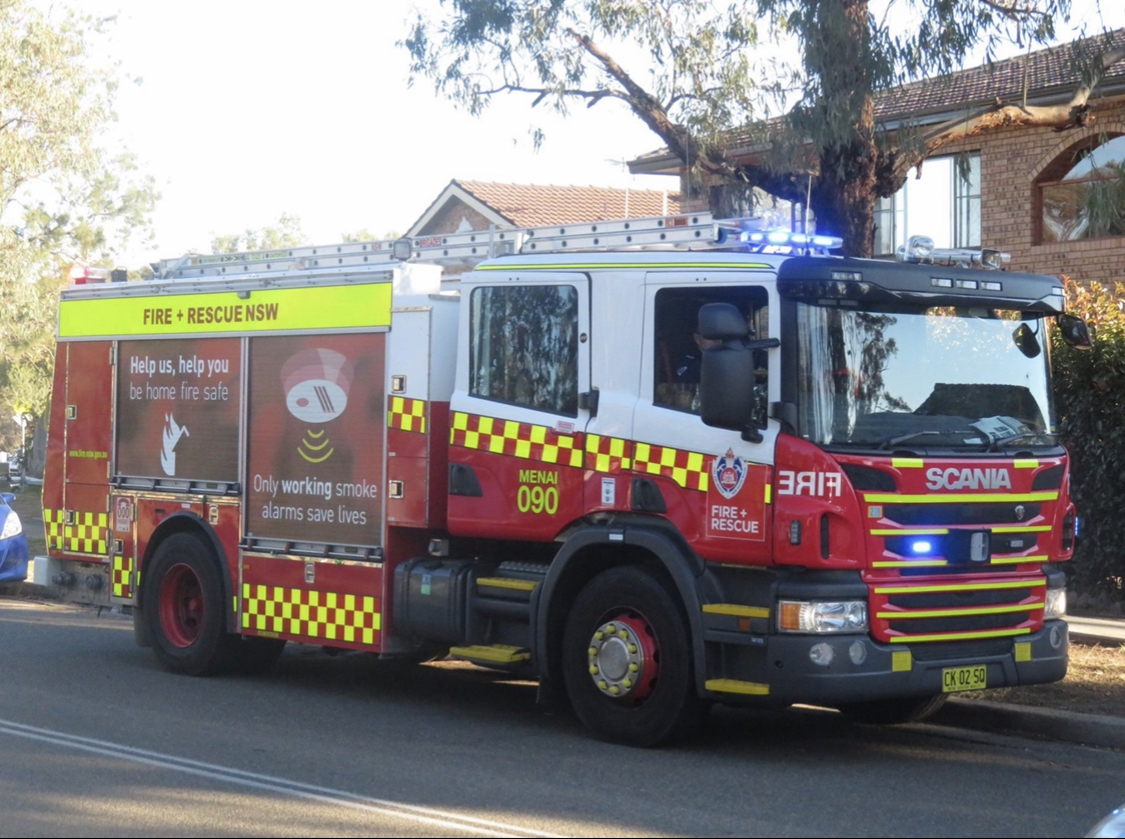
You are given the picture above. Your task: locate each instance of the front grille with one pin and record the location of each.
(968, 623)
(959, 599)
(983, 513)
(936, 611)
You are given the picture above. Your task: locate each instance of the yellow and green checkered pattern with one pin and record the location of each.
(592, 451)
(86, 535)
(517, 439)
(407, 414)
(688, 469)
(608, 454)
(121, 569)
(327, 616)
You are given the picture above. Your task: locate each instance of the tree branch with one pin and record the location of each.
(646, 106)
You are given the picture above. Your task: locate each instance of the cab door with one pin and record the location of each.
(520, 405)
(714, 484)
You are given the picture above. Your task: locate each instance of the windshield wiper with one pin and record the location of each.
(902, 438)
(894, 441)
(1016, 439)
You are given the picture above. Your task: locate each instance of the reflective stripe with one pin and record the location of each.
(608, 454)
(517, 439)
(407, 414)
(957, 587)
(685, 468)
(966, 498)
(611, 455)
(313, 614)
(122, 568)
(953, 613)
(960, 636)
(87, 534)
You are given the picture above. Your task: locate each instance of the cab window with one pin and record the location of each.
(524, 347)
(678, 347)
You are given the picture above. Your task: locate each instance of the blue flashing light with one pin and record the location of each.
(783, 238)
(921, 546)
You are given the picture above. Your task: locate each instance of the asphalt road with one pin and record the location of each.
(96, 740)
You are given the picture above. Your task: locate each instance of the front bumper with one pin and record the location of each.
(903, 670)
(13, 559)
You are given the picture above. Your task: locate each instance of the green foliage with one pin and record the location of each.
(694, 55)
(285, 233)
(364, 234)
(64, 197)
(1090, 402)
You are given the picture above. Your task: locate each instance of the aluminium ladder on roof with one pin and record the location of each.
(466, 248)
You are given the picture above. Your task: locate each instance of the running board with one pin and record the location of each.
(492, 654)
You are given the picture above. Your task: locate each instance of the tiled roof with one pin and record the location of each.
(1046, 73)
(530, 205)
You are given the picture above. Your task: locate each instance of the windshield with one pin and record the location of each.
(971, 379)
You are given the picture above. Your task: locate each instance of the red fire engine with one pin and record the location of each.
(651, 463)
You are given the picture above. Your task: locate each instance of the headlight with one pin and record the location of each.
(1056, 604)
(12, 526)
(822, 616)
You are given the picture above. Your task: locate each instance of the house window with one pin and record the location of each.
(966, 201)
(1082, 193)
(943, 204)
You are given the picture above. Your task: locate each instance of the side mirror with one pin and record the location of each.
(1074, 330)
(1027, 340)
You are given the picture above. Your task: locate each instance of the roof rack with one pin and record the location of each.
(686, 230)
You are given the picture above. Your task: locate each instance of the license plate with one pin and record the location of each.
(955, 679)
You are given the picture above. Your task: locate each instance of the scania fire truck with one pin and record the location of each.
(653, 464)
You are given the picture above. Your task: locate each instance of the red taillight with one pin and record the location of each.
(82, 274)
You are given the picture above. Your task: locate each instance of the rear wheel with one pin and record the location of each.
(893, 711)
(627, 660)
(183, 608)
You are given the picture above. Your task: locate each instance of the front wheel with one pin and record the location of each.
(183, 608)
(627, 660)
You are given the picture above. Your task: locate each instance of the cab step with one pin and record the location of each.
(492, 654)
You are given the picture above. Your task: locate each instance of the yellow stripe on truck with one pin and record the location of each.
(358, 306)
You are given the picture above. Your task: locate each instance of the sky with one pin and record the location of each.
(249, 109)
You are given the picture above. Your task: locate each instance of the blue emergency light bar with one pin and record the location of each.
(785, 238)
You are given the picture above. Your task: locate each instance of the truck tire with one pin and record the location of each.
(627, 660)
(184, 609)
(893, 711)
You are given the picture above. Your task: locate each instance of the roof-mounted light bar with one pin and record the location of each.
(920, 249)
(787, 241)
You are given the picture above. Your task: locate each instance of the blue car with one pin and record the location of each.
(13, 543)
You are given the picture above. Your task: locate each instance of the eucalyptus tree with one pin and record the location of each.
(776, 94)
(67, 195)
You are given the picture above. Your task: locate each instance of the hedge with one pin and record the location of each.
(1089, 403)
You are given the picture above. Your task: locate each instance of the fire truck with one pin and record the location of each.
(653, 464)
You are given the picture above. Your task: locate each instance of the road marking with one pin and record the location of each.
(324, 795)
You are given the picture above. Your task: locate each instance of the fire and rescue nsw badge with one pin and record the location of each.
(736, 499)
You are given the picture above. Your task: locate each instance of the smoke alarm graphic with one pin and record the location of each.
(316, 384)
(316, 390)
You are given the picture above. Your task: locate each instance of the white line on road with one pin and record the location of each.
(324, 795)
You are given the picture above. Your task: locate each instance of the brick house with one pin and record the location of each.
(1021, 190)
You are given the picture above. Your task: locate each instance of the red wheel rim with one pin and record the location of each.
(181, 605)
